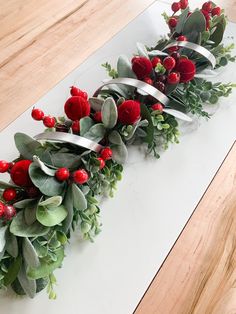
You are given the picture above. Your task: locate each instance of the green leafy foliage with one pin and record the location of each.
(109, 113)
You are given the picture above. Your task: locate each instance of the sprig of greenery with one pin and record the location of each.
(111, 71)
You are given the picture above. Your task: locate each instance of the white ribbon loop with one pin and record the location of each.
(70, 138)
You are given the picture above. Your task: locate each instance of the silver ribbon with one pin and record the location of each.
(149, 89)
(70, 138)
(195, 47)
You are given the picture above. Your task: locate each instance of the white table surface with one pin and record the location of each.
(153, 202)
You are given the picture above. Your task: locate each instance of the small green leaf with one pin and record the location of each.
(43, 167)
(181, 21)
(19, 227)
(52, 201)
(79, 200)
(29, 253)
(195, 24)
(13, 271)
(28, 285)
(68, 203)
(115, 138)
(150, 128)
(47, 185)
(142, 50)
(45, 269)
(26, 145)
(30, 214)
(218, 34)
(109, 113)
(96, 103)
(51, 216)
(85, 124)
(26, 203)
(12, 245)
(96, 132)
(3, 237)
(119, 153)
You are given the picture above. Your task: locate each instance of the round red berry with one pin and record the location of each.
(80, 176)
(175, 6)
(207, 6)
(97, 116)
(9, 194)
(216, 11)
(20, 173)
(75, 127)
(75, 91)
(169, 63)
(2, 209)
(173, 49)
(141, 66)
(173, 78)
(172, 22)
(49, 121)
(37, 114)
(102, 163)
(158, 106)
(4, 166)
(106, 153)
(148, 80)
(62, 174)
(9, 212)
(155, 61)
(160, 86)
(182, 38)
(77, 107)
(183, 4)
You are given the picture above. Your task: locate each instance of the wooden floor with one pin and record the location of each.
(40, 43)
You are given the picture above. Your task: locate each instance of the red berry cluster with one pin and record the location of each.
(209, 10)
(38, 115)
(181, 5)
(7, 212)
(79, 176)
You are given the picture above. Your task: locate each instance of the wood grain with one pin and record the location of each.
(199, 275)
(41, 42)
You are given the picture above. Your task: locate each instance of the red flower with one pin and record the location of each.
(20, 173)
(129, 112)
(186, 69)
(141, 66)
(76, 107)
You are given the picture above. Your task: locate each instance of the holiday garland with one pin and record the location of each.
(58, 176)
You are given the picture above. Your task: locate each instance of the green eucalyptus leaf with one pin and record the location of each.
(218, 34)
(124, 67)
(53, 201)
(3, 237)
(68, 203)
(12, 245)
(85, 124)
(195, 24)
(28, 285)
(41, 284)
(51, 216)
(13, 271)
(27, 146)
(150, 128)
(26, 203)
(142, 50)
(109, 113)
(4, 185)
(115, 138)
(119, 153)
(19, 227)
(79, 200)
(96, 132)
(96, 103)
(181, 21)
(61, 159)
(43, 167)
(29, 253)
(45, 268)
(30, 214)
(46, 184)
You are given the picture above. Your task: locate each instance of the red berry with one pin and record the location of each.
(49, 121)
(175, 6)
(102, 163)
(173, 78)
(77, 107)
(2, 209)
(32, 191)
(62, 174)
(158, 106)
(175, 55)
(10, 212)
(75, 127)
(155, 61)
(141, 66)
(97, 116)
(20, 173)
(148, 80)
(172, 22)
(75, 91)
(9, 194)
(37, 114)
(205, 13)
(207, 6)
(182, 38)
(129, 112)
(183, 4)
(106, 153)
(216, 11)
(160, 86)
(173, 49)
(4, 166)
(169, 63)
(80, 176)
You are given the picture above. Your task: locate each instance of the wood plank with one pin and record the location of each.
(36, 56)
(199, 274)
